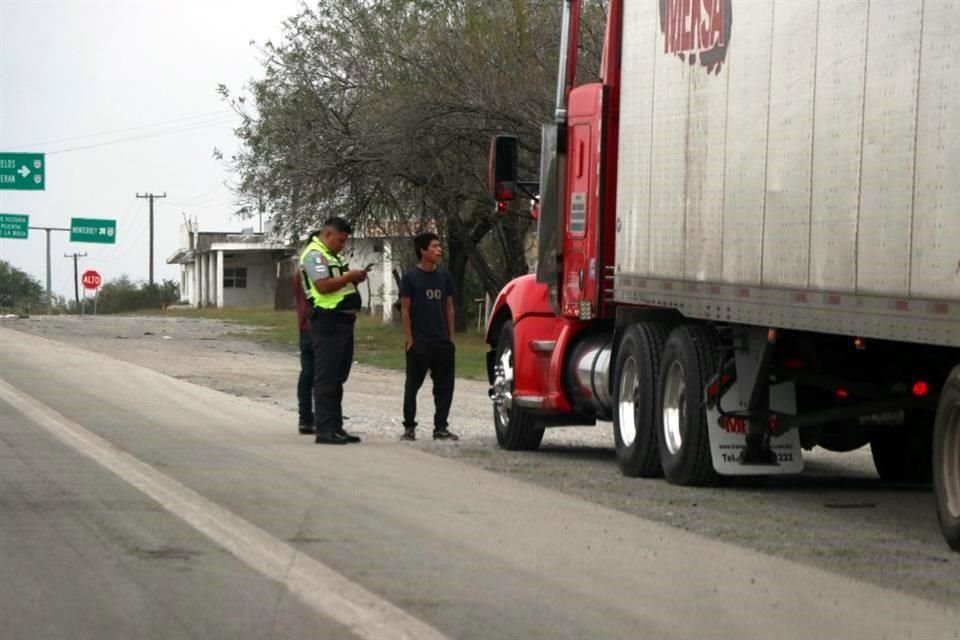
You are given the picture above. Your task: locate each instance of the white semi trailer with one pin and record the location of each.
(749, 243)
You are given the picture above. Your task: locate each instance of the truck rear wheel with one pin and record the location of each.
(689, 362)
(517, 430)
(946, 460)
(637, 371)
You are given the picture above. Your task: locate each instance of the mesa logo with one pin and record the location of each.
(697, 30)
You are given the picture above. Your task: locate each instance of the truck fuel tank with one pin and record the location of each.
(587, 375)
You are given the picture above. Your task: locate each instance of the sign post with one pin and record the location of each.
(25, 171)
(14, 225)
(91, 280)
(93, 230)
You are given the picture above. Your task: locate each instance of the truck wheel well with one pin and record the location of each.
(496, 325)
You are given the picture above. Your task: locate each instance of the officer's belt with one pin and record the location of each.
(345, 315)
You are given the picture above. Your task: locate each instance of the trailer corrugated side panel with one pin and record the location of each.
(837, 135)
(799, 176)
(935, 261)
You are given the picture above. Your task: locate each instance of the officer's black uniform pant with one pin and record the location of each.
(437, 358)
(332, 334)
(305, 382)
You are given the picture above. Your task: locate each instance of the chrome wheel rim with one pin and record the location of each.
(503, 385)
(674, 399)
(951, 462)
(626, 407)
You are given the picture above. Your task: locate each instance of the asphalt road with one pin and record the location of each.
(136, 505)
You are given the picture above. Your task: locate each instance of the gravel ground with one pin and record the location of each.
(837, 515)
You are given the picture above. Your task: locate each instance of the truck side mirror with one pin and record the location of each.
(502, 168)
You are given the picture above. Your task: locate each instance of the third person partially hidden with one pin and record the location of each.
(426, 303)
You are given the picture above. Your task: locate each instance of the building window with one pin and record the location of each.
(235, 278)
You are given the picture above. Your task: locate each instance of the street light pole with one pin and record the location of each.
(48, 230)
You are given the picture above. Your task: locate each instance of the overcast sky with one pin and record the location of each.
(75, 77)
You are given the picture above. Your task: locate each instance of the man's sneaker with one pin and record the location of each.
(306, 428)
(409, 434)
(443, 434)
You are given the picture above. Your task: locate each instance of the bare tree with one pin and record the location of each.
(382, 111)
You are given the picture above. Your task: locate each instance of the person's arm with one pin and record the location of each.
(329, 285)
(449, 310)
(407, 325)
(450, 317)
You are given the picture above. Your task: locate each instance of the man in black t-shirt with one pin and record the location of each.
(426, 304)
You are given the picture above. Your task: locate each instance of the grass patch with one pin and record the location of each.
(375, 343)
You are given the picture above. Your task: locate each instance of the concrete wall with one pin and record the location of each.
(261, 280)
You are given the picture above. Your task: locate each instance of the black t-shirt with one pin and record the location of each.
(428, 292)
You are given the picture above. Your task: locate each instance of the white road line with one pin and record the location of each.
(318, 586)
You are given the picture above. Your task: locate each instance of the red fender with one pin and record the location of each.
(540, 339)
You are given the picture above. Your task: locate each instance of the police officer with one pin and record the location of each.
(330, 286)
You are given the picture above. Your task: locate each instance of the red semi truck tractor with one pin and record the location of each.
(748, 243)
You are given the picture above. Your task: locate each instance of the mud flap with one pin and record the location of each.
(727, 435)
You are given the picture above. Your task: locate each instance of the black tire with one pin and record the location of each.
(517, 430)
(905, 454)
(946, 460)
(636, 373)
(689, 362)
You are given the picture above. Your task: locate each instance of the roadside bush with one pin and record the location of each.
(122, 295)
(19, 292)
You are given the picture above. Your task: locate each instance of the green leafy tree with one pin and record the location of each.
(18, 290)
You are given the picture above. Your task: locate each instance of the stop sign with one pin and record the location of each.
(90, 279)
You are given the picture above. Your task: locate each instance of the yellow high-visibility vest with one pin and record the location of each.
(346, 298)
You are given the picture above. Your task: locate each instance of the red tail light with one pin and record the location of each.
(712, 389)
(842, 393)
(920, 388)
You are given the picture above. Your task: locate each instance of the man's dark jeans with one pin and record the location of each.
(439, 359)
(332, 335)
(305, 383)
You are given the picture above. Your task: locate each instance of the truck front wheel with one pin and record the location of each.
(689, 363)
(946, 460)
(516, 429)
(636, 373)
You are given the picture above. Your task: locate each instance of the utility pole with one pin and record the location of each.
(76, 276)
(48, 230)
(151, 197)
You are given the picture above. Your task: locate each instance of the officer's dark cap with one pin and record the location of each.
(339, 224)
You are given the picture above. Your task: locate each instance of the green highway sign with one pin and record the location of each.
(23, 171)
(14, 225)
(93, 230)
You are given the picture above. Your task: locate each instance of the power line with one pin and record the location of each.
(200, 198)
(116, 131)
(157, 134)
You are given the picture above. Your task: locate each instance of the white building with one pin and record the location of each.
(256, 269)
(228, 269)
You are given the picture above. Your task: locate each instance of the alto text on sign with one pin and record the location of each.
(90, 279)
